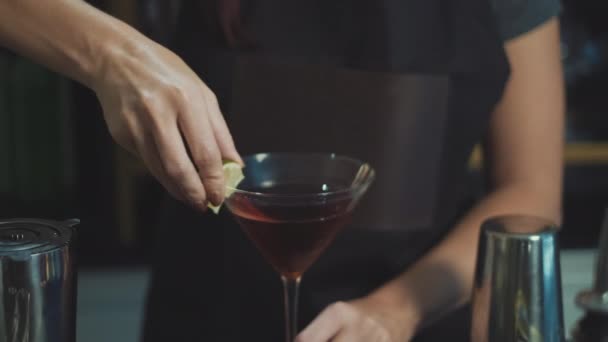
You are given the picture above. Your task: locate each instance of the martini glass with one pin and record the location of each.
(292, 206)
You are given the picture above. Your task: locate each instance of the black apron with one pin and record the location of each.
(407, 85)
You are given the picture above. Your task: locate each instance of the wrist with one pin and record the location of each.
(110, 49)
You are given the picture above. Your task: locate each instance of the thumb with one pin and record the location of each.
(326, 325)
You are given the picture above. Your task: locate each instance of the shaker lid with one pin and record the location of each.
(519, 226)
(33, 236)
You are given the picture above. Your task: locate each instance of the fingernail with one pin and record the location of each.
(238, 159)
(216, 197)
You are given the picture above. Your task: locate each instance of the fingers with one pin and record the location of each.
(360, 334)
(223, 137)
(343, 322)
(178, 167)
(349, 337)
(327, 325)
(158, 94)
(196, 179)
(195, 124)
(132, 136)
(148, 152)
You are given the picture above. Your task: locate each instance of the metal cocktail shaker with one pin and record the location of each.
(517, 291)
(37, 281)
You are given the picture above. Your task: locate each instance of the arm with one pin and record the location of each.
(526, 143)
(69, 37)
(525, 147)
(150, 98)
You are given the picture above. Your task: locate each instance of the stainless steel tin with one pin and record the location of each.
(37, 281)
(517, 290)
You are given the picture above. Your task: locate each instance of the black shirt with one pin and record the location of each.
(416, 81)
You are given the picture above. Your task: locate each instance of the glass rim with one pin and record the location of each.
(351, 190)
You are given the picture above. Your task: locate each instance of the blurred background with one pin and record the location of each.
(57, 160)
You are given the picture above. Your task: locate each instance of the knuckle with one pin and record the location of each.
(148, 103)
(209, 161)
(223, 134)
(369, 323)
(156, 126)
(214, 175)
(210, 97)
(176, 171)
(122, 134)
(179, 93)
(340, 308)
(384, 336)
(214, 188)
(379, 332)
(150, 112)
(130, 127)
(154, 112)
(381, 336)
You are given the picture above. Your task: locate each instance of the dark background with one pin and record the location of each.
(57, 159)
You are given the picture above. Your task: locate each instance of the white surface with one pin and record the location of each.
(110, 303)
(577, 275)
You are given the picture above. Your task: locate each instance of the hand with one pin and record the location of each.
(157, 108)
(363, 320)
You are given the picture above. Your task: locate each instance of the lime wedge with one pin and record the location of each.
(233, 175)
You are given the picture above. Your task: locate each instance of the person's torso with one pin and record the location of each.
(407, 85)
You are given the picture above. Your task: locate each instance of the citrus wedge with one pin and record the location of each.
(233, 175)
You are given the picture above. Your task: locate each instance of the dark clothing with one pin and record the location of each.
(405, 84)
(516, 17)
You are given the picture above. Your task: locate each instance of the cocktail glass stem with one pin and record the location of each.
(291, 287)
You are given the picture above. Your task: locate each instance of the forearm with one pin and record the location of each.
(68, 36)
(443, 279)
(525, 165)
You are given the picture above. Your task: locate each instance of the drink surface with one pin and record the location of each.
(291, 234)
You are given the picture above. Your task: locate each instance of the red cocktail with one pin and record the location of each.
(292, 206)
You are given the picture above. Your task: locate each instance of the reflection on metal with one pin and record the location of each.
(37, 282)
(517, 292)
(21, 315)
